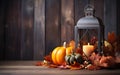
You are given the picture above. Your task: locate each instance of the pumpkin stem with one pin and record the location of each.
(64, 44)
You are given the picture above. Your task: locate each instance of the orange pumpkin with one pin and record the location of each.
(59, 53)
(69, 50)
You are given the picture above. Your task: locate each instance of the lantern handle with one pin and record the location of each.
(89, 10)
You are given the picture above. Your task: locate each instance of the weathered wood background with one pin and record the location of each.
(30, 29)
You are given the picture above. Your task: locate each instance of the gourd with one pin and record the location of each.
(59, 53)
(74, 58)
(108, 49)
(69, 50)
(70, 47)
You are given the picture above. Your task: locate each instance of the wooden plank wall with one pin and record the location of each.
(27, 25)
(52, 22)
(118, 17)
(39, 30)
(110, 17)
(12, 30)
(67, 20)
(2, 22)
(31, 29)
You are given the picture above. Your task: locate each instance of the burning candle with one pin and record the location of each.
(88, 49)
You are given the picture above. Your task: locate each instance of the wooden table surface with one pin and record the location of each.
(29, 68)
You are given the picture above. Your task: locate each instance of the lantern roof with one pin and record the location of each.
(89, 20)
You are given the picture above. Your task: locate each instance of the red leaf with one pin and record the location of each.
(48, 58)
(39, 63)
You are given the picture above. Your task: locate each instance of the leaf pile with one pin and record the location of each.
(95, 61)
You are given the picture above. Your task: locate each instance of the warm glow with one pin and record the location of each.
(88, 49)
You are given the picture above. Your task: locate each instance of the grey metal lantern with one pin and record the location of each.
(89, 28)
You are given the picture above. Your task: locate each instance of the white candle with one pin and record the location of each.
(88, 49)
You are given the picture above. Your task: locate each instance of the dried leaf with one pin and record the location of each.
(76, 67)
(48, 58)
(39, 63)
(111, 37)
(92, 67)
(52, 66)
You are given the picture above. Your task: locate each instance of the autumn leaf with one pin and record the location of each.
(39, 63)
(48, 58)
(52, 66)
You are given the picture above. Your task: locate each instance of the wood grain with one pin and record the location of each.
(12, 30)
(67, 20)
(79, 9)
(39, 29)
(52, 29)
(110, 16)
(27, 29)
(118, 17)
(2, 28)
(28, 68)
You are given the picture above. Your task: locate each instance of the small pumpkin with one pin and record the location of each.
(78, 58)
(69, 50)
(73, 58)
(58, 55)
(71, 47)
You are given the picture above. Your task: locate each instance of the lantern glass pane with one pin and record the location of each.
(88, 36)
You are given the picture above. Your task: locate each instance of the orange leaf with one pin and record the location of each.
(76, 67)
(111, 37)
(72, 44)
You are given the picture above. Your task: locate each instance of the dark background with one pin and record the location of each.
(30, 29)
